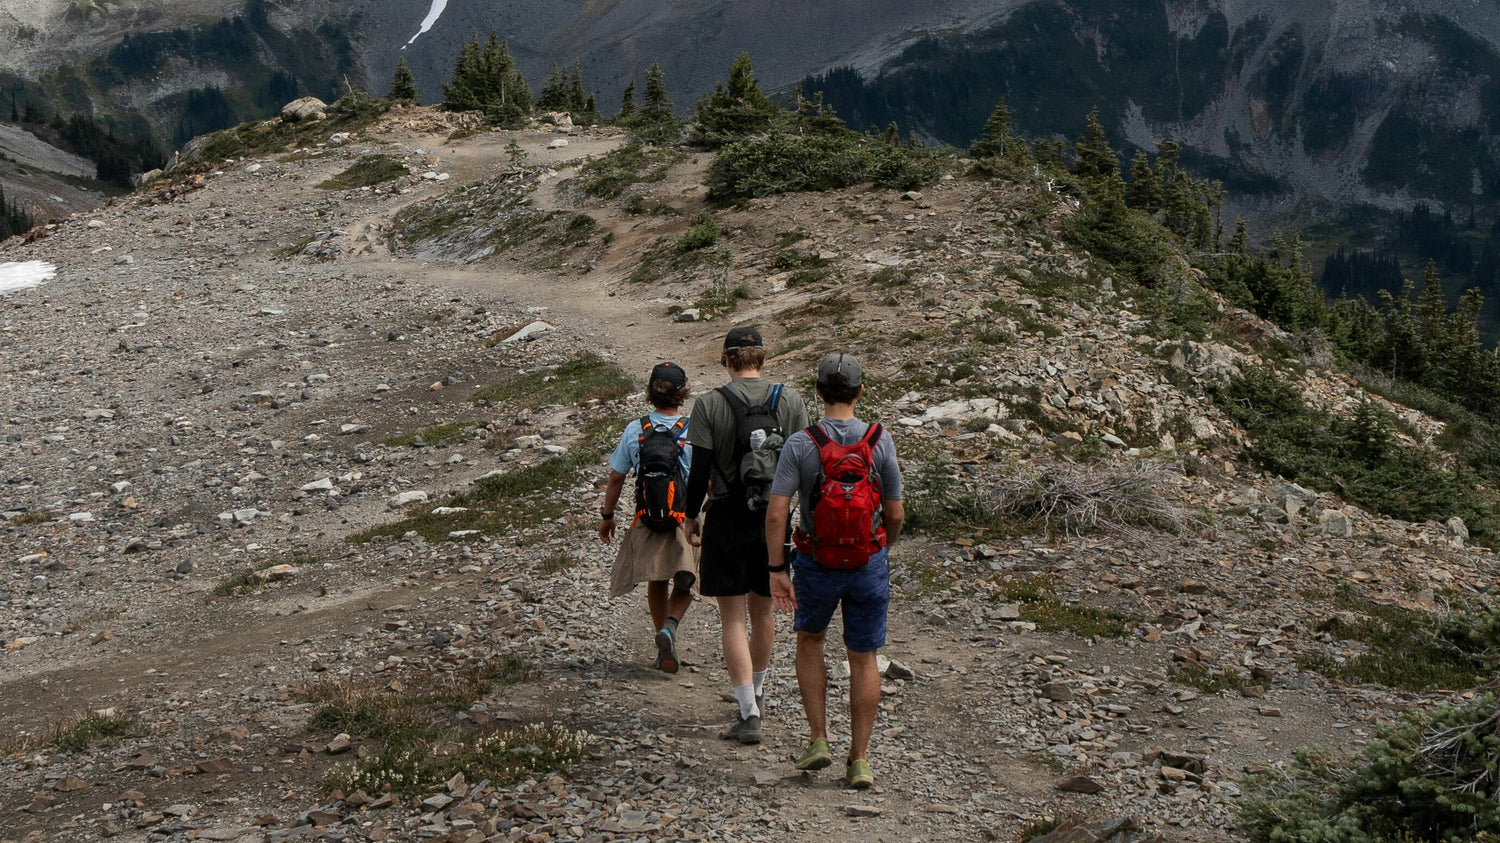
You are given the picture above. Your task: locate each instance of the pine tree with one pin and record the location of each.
(403, 84)
(1144, 191)
(656, 107)
(1096, 160)
(997, 133)
(734, 110)
(627, 101)
(655, 122)
(893, 134)
(554, 96)
(577, 99)
(458, 92)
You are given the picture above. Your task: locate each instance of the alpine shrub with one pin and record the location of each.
(1432, 777)
(783, 163)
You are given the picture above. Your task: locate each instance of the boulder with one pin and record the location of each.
(1334, 522)
(306, 108)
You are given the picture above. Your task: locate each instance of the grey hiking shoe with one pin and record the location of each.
(746, 730)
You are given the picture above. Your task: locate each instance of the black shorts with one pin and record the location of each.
(734, 551)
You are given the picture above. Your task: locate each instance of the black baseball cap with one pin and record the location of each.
(839, 369)
(745, 337)
(671, 373)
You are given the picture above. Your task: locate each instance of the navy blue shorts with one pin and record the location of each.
(864, 592)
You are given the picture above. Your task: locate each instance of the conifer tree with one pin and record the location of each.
(1096, 160)
(487, 79)
(656, 107)
(1144, 191)
(734, 110)
(654, 121)
(627, 101)
(554, 96)
(577, 99)
(997, 133)
(403, 84)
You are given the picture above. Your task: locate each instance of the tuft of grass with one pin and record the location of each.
(423, 744)
(1037, 595)
(248, 580)
(585, 378)
(365, 710)
(368, 171)
(1408, 648)
(721, 297)
(89, 731)
(294, 249)
(435, 436)
(507, 501)
(38, 517)
(410, 766)
(1022, 316)
(81, 623)
(1208, 682)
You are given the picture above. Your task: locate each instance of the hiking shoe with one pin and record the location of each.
(858, 776)
(666, 650)
(746, 730)
(816, 756)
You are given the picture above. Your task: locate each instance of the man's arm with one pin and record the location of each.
(697, 489)
(894, 517)
(778, 513)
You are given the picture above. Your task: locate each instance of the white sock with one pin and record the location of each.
(759, 678)
(745, 694)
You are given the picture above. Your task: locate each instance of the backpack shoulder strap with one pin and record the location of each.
(736, 403)
(645, 427)
(819, 437)
(872, 436)
(679, 429)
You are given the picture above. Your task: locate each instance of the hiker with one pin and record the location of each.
(736, 434)
(848, 483)
(654, 549)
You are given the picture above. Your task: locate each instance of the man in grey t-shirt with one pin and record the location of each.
(815, 592)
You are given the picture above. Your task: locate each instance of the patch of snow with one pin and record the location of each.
(432, 17)
(20, 276)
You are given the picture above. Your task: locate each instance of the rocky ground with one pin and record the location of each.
(236, 371)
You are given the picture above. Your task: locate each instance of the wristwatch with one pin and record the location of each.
(776, 569)
(606, 516)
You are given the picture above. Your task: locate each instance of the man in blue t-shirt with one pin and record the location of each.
(863, 592)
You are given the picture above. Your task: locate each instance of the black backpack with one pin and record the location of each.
(660, 488)
(757, 446)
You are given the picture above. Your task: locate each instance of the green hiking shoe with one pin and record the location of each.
(858, 776)
(816, 756)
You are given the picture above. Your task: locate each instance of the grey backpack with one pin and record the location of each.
(757, 446)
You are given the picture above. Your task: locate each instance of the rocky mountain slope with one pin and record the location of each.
(295, 472)
(1333, 102)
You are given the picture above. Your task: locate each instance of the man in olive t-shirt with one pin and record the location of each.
(733, 565)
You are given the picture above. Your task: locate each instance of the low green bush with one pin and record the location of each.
(1432, 777)
(609, 176)
(1357, 457)
(786, 163)
(705, 232)
(368, 171)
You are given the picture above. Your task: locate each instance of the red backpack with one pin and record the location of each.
(846, 503)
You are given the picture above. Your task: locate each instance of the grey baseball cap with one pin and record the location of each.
(839, 369)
